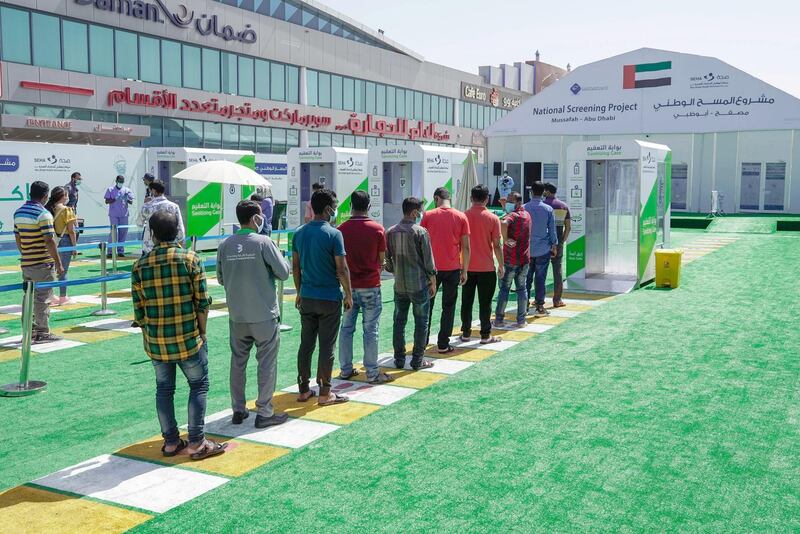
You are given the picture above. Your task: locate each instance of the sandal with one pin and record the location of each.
(424, 364)
(382, 378)
(337, 399)
(311, 394)
(448, 350)
(464, 339)
(182, 444)
(208, 449)
(348, 376)
(491, 339)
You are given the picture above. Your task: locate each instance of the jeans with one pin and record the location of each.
(558, 273)
(318, 319)
(267, 340)
(122, 233)
(66, 259)
(518, 274)
(484, 283)
(368, 302)
(537, 275)
(449, 281)
(421, 302)
(195, 369)
(43, 272)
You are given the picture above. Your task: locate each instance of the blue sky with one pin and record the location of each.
(759, 37)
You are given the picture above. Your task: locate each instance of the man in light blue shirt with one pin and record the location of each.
(544, 243)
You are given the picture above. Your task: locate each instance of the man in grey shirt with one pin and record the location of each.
(247, 265)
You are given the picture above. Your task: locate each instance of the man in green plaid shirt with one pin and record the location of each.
(170, 302)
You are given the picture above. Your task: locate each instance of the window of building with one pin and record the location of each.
(324, 139)
(313, 139)
(278, 141)
(230, 75)
(75, 44)
(292, 14)
(434, 109)
(210, 70)
(336, 92)
(173, 132)
(348, 94)
(391, 101)
(417, 105)
(380, 99)
(191, 67)
(246, 76)
(324, 90)
(212, 135)
(262, 79)
(126, 48)
(401, 103)
(193, 133)
(359, 96)
(443, 103)
(361, 142)
(312, 87)
(276, 8)
(292, 84)
(247, 138)
(409, 104)
(156, 131)
(46, 41)
(171, 63)
(277, 81)
(230, 136)
(292, 139)
(101, 50)
(15, 35)
(370, 97)
(150, 59)
(263, 140)
(426, 107)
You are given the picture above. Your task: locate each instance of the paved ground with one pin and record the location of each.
(653, 410)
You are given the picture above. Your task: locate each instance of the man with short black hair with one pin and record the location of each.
(516, 230)
(118, 198)
(170, 304)
(148, 179)
(563, 226)
(365, 245)
(309, 215)
(543, 246)
(248, 263)
(320, 273)
(158, 202)
(410, 258)
(484, 242)
(72, 191)
(40, 262)
(449, 233)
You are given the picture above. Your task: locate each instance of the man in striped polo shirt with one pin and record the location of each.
(516, 231)
(36, 241)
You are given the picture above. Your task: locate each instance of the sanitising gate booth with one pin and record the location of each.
(618, 194)
(411, 170)
(342, 170)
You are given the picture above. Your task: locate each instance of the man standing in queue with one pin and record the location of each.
(563, 226)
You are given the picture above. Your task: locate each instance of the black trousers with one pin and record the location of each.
(319, 319)
(449, 281)
(484, 283)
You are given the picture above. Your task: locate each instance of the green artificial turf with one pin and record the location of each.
(661, 410)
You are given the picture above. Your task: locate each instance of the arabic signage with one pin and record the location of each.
(489, 96)
(165, 99)
(9, 163)
(393, 128)
(667, 93)
(273, 167)
(183, 18)
(74, 126)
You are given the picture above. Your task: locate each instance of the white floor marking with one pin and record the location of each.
(217, 313)
(562, 312)
(132, 483)
(93, 299)
(117, 325)
(292, 434)
(475, 343)
(448, 366)
(381, 394)
(16, 309)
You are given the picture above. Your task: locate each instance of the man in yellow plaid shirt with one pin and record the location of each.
(170, 301)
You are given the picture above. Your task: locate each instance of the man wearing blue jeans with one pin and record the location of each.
(544, 245)
(365, 247)
(410, 258)
(516, 230)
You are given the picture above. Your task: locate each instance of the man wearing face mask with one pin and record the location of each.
(410, 258)
(119, 198)
(72, 191)
(320, 274)
(516, 231)
(158, 202)
(248, 263)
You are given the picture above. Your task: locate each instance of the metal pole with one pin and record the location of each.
(25, 386)
(193, 243)
(115, 235)
(282, 327)
(103, 285)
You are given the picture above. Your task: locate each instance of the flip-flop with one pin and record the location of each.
(182, 444)
(382, 378)
(337, 399)
(491, 339)
(424, 364)
(352, 373)
(448, 350)
(559, 304)
(209, 449)
(311, 395)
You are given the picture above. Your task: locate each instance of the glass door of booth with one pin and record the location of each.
(514, 170)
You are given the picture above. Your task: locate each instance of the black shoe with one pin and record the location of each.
(238, 417)
(45, 338)
(400, 363)
(121, 255)
(277, 419)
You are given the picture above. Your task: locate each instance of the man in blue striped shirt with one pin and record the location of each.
(544, 245)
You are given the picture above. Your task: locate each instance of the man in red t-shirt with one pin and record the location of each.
(449, 231)
(365, 245)
(484, 242)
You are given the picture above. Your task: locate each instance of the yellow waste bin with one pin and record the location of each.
(668, 267)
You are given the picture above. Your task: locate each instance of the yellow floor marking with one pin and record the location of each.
(404, 378)
(75, 306)
(7, 354)
(466, 355)
(576, 307)
(547, 320)
(10, 268)
(510, 335)
(32, 510)
(239, 458)
(87, 335)
(338, 414)
(9, 317)
(121, 294)
(583, 296)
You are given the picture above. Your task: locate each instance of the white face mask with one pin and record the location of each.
(259, 224)
(118, 185)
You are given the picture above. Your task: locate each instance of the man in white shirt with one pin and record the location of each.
(158, 202)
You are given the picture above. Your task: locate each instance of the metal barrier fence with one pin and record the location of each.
(25, 386)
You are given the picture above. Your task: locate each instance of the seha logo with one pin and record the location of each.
(648, 159)
(575, 88)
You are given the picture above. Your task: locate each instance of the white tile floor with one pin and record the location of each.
(292, 434)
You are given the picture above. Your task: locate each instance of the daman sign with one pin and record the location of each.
(184, 18)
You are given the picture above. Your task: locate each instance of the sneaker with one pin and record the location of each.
(275, 420)
(541, 312)
(238, 417)
(497, 323)
(521, 324)
(45, 338)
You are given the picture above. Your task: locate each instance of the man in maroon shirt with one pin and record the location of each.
(365, 245)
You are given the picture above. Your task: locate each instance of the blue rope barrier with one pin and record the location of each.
(10, 287)
(85, 281)
(123, 244)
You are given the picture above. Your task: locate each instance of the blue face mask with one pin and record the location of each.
(510, 207)
(418, 220)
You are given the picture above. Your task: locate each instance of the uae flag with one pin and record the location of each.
(646, 75)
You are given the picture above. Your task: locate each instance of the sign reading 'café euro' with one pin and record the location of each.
(183, 17)
(651, 91)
